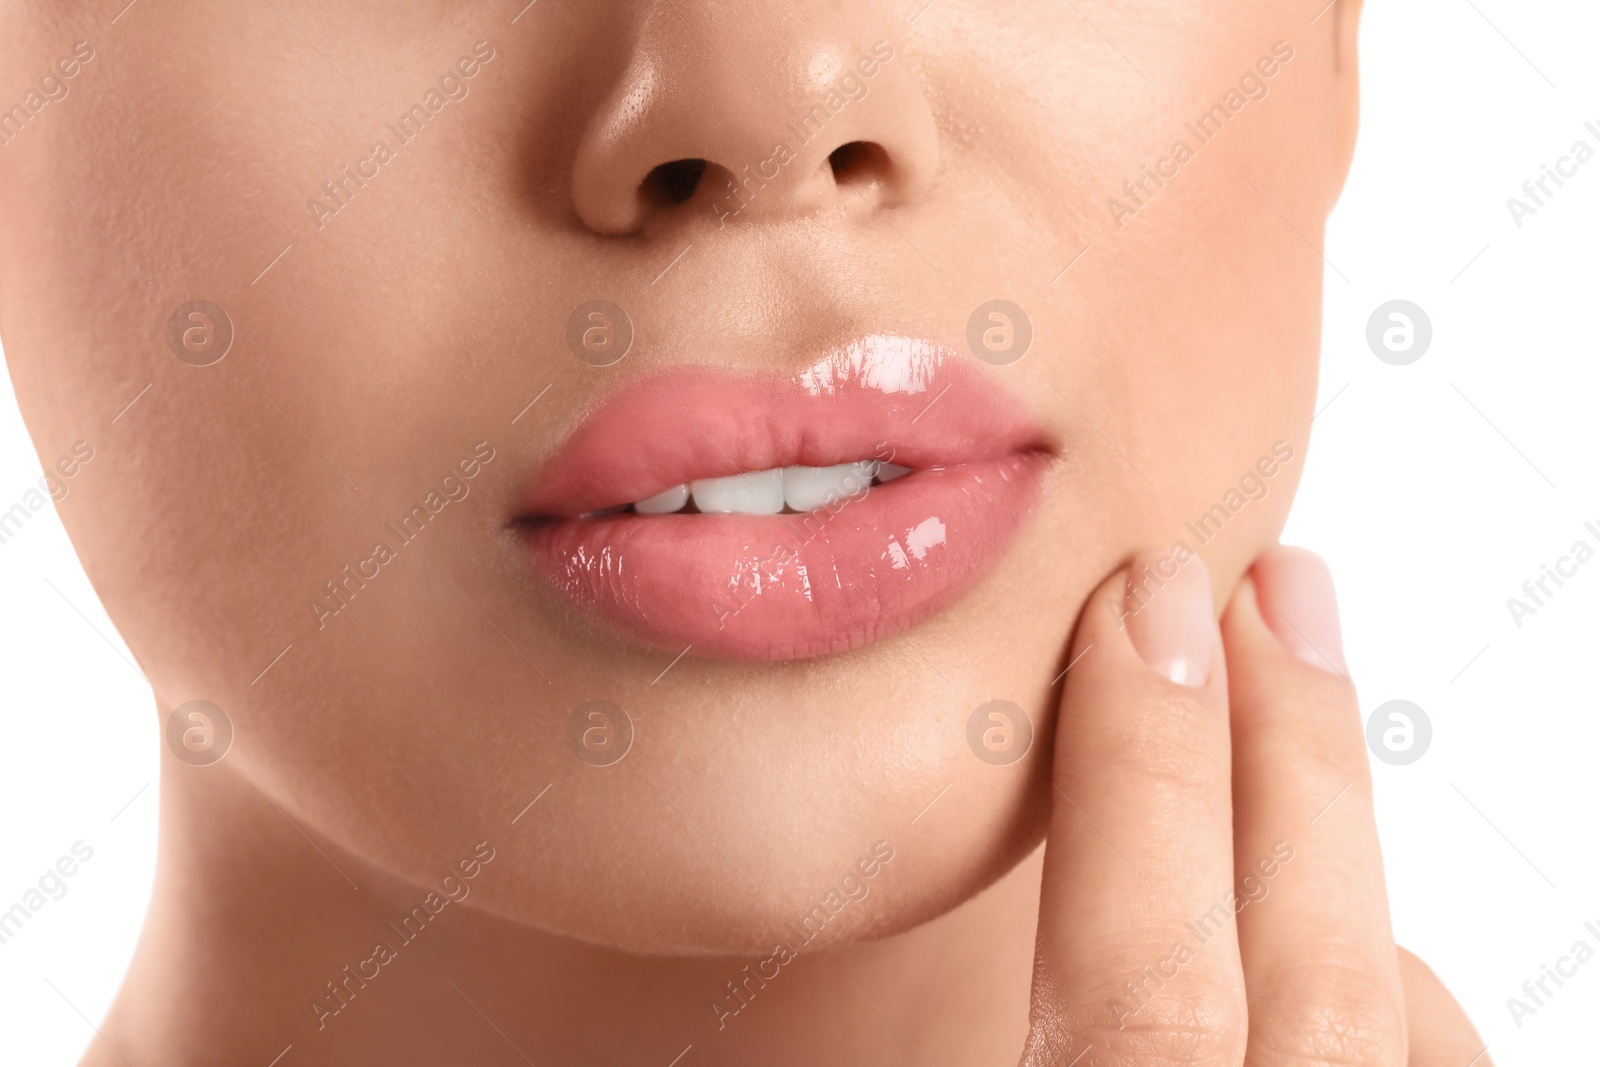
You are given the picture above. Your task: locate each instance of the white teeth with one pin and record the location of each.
(767, 492)
(809, 488)
(888, 472)
(756, 493)
(665, 502)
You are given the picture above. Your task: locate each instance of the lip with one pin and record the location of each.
(788, 586)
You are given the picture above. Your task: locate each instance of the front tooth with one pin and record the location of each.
(809, 488)
(888, 472)
(756, 493)
(665, 502)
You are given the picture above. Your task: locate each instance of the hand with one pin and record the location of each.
(1213, 891)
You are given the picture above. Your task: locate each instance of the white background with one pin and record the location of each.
(1433, 489)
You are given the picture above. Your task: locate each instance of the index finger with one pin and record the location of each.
(1138, 957)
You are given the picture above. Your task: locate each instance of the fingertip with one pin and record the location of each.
(1294, 596)
(1167, 611)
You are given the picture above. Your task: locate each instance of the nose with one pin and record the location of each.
(807, 107)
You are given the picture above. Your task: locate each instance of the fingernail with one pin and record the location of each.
(1294, 591)
(1169, 616)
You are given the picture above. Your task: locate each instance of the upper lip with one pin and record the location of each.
(882, 396)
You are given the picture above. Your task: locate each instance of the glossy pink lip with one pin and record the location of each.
(793, 585)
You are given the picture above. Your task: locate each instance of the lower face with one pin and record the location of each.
(791, 540)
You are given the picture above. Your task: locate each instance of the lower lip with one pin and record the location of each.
(776, 587)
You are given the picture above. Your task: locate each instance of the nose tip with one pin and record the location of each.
(683, 136)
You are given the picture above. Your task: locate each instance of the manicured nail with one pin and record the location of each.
(1169, 616)
(1294, 591)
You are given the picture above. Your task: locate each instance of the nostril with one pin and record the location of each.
(672, 183)
(858, 161)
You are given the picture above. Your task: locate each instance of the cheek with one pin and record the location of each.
(1182, 342)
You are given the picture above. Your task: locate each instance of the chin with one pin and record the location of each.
(805, 872)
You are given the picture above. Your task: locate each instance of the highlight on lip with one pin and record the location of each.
(778, 517)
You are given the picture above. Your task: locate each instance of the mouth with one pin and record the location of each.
(772, 517)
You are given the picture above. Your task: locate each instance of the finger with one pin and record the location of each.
(1313, 914)
(1140, 835)
(1441, 1034)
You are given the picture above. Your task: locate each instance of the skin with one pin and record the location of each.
(422, 318)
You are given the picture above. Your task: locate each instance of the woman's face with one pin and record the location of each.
(368, 531)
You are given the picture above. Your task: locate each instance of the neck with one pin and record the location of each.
(264, 937)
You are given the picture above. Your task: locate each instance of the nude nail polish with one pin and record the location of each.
(1294, 591)
(1169, 616)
